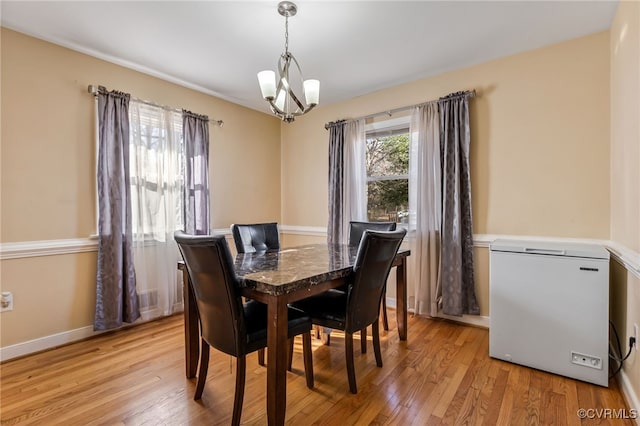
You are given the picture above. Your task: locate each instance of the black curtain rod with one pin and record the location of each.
(95, 89)
(471, 93)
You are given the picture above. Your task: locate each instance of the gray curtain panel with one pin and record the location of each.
(335, 233)
(195, 128)
(116, 297)
(457, 280)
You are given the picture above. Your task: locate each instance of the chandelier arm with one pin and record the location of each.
(283, 115)
(277, 111)
(295, 61)
(278, 88)
(283, 69)
(293, 95)
(295, 99)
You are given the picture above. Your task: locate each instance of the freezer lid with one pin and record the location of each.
(591, 251)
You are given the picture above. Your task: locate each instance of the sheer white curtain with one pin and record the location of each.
(157, 203)
(355, 175)
(425, 207)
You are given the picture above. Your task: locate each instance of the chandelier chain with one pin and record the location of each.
(286, 34)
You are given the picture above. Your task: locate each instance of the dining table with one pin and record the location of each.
(277, 278)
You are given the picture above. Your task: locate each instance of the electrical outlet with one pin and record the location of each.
(636, 335)
(6, 301)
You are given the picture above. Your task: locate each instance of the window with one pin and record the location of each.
(387, 162)
(156, 170)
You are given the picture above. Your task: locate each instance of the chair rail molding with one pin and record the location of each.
(316, 231)
(17, 250)
(622, 254)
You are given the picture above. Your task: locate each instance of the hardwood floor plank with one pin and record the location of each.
(441, 375)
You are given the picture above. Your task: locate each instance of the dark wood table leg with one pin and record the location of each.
(401, 298)
(191, 333)
(277, 348)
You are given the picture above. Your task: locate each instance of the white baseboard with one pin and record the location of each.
(629, 393)
(47, 342)
(71, 336)
(477, 320)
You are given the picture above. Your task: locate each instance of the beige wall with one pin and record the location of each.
(539, 148)
(625, 126)
(48, 173)
(48, 142)
(52, 294)
(625, 173)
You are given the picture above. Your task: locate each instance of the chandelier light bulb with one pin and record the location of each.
(267, 81)
(312, 91)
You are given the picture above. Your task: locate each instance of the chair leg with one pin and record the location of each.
(363, 340)
(290, 354)
(326, 336)
(385, 319)
(308, 358)
(317, 327)
(261, 357)
(375, 331)
(348, 351)
(204, 367)
(241, 369)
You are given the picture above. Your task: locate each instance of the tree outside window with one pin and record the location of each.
(388, 176)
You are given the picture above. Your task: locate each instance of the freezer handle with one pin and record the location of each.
(544, 251)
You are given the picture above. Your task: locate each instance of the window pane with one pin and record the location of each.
(388, 200)
(388, 156)
(155, 166)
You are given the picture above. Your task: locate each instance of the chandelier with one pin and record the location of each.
(284, 103)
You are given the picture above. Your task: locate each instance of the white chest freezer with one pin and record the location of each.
(549, 307)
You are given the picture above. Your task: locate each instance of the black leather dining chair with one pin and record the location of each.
(359, 306)
(226, 323)
(356, 229)
(255, 237)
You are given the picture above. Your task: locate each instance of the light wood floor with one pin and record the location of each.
(442, 375)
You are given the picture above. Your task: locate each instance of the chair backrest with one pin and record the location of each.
(376, 253)
(250, 238)
(215, 285)
(356, 229)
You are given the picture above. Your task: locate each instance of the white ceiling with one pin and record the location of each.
(353, 48)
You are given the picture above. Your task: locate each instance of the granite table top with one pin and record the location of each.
(289, 269)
